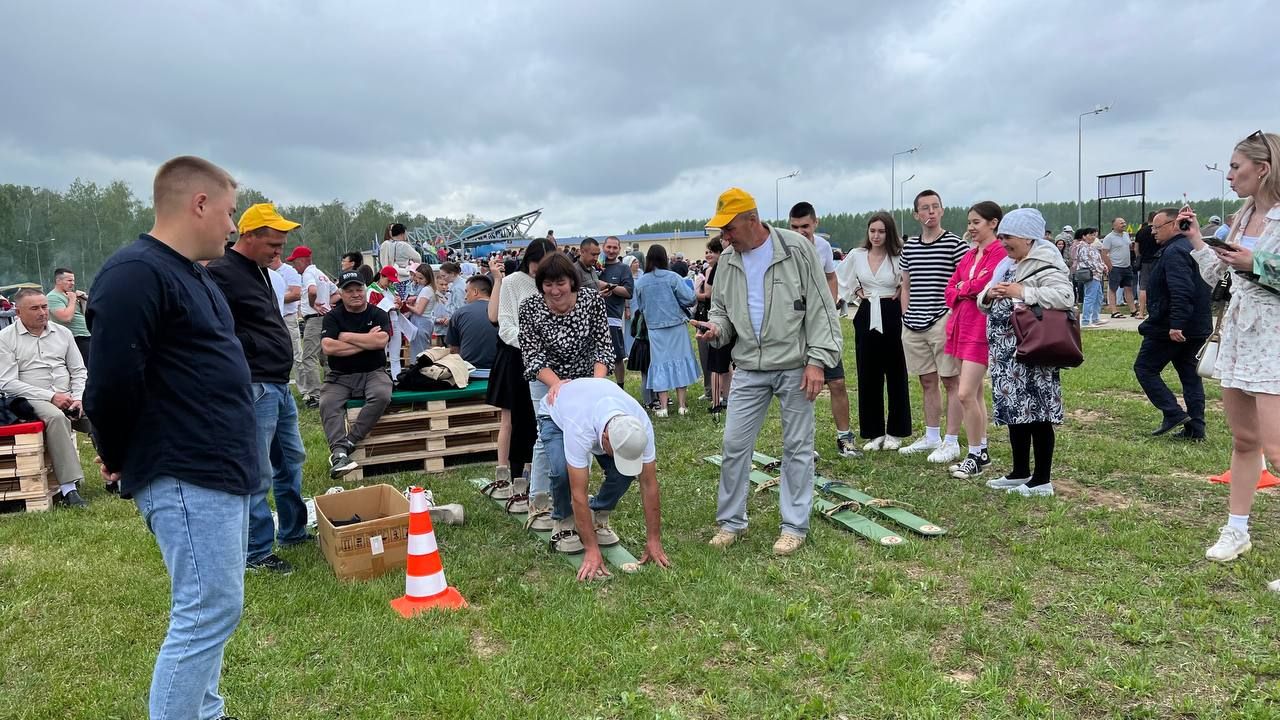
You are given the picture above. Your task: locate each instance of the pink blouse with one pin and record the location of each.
(967, 325)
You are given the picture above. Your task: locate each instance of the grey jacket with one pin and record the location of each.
(1049, 289)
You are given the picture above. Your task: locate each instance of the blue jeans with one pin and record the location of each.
(202, 535)
(280, 457)
(611, 490)
(539, 480)
(1092, 301)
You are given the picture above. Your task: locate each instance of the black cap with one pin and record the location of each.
(348, 277)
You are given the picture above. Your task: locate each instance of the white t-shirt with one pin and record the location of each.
(583, 408)
(827, 257)
(314, 277)
(291, 279)
(469, 269)
(756, 263)
(278, 284)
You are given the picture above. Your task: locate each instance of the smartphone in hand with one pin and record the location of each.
(1223, 244)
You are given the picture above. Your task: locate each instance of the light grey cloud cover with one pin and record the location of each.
(609, 114)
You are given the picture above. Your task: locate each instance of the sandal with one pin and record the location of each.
(1116, 315)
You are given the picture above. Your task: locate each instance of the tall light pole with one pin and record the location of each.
(1097, 110)
(1038, 185)
(777, 186)
(39, 265)
(1214, 167)
(893, 170)
(902, 185)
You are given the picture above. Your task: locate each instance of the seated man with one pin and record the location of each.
(471, 335)
(593, 416)
(354, 337)
(39, 361)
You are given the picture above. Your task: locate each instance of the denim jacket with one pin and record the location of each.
(662, 296)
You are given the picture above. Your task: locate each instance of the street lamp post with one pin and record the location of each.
(1038, 185)
(1097, 110)
(1214, 167)
(893, 169)
(777, 187)
(39, 265)
(902, 185)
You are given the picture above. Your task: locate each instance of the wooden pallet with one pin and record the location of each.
(432, 415)
(427, 437)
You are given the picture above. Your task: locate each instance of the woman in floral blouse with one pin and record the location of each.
(564, 334)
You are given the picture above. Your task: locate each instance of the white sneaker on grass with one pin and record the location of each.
(1232, 543)
(874, 445)
(945, 453)
(1274, 586)
(891, 442)
(922, 444)
(1045, 490)
(1006, 482)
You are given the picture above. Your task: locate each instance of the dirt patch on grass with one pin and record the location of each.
(485, 647)
(1086, 416)
(962, 677)
(1075, 492)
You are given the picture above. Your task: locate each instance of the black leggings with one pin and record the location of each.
(1021, 439)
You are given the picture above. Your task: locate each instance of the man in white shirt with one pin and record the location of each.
(290, 303)
(594, 417)
(804, 220)
(315, 302)
(39, 361)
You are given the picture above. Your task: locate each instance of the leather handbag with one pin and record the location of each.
(1207, 358)
(1083, 275)
(1047, 337)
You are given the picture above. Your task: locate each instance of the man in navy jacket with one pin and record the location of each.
(1178, 321)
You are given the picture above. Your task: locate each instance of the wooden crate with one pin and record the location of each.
(427, 436)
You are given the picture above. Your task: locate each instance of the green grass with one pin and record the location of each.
(1097, 603)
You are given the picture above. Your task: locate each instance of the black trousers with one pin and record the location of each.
(1156, 353)
(1022, 438)
(82, 344)
(881, 365)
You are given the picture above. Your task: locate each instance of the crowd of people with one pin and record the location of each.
(555, 334)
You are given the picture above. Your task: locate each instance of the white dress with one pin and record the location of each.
(1249, 351)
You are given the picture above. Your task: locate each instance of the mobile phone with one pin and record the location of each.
(1184, 225)
(1215, 242)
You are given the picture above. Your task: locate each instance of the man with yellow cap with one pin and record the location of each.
(772, 301)
(242, 274)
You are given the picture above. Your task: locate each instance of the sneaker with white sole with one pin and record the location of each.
(891, 443)
(1045, 490)
(539, 519)
(605, 536)
(724, 538)
(1232, 543)
(1005, 482)
(847, 447)
(787, 543)
(662, 412)
(1274, 586)
(922, 444)
(873, 445)
(969, 467)
(945, 453)
(564, 537)
(984, 459)
(340, 463)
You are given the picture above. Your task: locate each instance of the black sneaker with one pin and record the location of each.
(113, 487)
(272, 564)
(847, 446)
(72, 499)
(340, 464)
(309, 537)
(971, 466)
(312, 403)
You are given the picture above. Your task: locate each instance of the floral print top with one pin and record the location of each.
(569, 344)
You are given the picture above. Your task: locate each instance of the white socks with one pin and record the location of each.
(1238, 522)
(933, 434)
(975, 449)
(951, 440)
(68, 488)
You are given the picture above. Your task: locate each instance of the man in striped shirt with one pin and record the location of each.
(928, 262)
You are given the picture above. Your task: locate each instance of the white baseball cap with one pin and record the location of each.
(629, 439)
(1068, 228)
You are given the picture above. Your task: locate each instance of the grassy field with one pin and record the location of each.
(1096, 603)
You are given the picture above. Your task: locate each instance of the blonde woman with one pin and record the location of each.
(1248, 365)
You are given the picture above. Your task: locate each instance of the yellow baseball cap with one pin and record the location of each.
(264, 215)
(732, 203)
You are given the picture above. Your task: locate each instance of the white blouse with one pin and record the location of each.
(855, 272)
(516, 288)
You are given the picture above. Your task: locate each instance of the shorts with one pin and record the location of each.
(619, 344)
(1144, 275)
(925, 353)
(835, 373)
(1120, 277)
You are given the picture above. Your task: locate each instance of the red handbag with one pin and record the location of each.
(1047, 337)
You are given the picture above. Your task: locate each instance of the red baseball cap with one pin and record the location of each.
(390, 273)
(299, 252)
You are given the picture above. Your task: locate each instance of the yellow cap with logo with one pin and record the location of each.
(264, 215)
(732, 203)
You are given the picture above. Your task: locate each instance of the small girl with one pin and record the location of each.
(440, 311)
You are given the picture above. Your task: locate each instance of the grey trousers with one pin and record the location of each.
(309, 367)
(374, 387)
(749, 398)
(60, 441)
(295, 336)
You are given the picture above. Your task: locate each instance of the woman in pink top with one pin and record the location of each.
(967, 326)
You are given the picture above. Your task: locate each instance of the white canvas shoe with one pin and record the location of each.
(874, 445)
(1006, 482)
(1045, 490)
(945, 453)
(1274, 586)
(1231, 544)
(921, 445)
(891, 443)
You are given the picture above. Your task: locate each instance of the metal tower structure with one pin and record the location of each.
(464, 234)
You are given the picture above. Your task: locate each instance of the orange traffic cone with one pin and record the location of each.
(424, 584)
(1267, 480)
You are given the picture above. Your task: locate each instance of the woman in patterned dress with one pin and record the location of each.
(1027, 398)
(1248, 363)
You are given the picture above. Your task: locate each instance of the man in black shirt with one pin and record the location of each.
(354, 337)
(616, 287)
(1148, 248)
(242, 274)
(170, 397)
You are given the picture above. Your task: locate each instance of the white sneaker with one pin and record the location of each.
(1274, 586)
(945, 453)
(921, 445)
(1045, 490)
(660, 413)
(1006, 482)
(873, 445)
(1231, 544)
(891, 442)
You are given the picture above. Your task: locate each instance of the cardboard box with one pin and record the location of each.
(368, 548)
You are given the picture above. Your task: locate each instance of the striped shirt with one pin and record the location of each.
(929, 268)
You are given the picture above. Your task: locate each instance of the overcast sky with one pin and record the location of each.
(610, 114)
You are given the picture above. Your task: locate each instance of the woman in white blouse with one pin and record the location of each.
(870, 283)
(1248, 365)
